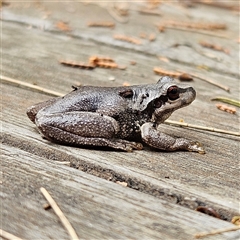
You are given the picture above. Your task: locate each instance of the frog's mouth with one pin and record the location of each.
(174, 99)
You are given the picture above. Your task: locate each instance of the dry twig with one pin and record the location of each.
(127, 39)
(104, 62)
(211, 82)
(219, 231)
(162, 28)
(77, 64)
(227, 100)
(236, 220)
(30, 86)
(94, 61)
(208, 210)
(214, 47)
(226, 108)
(219, 4)
(8, 235)
(60, 214)
(196, 25)
(182, 124)
(117, 14)
(148, 11)
(102, 24)
(63, 26)
(179, 75)
(152, 37)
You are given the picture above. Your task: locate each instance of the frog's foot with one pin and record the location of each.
(196, 147)
(156, 139)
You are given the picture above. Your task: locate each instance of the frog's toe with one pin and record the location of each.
(137, 146)
(133, 145)
(196, 147)
(125, 145)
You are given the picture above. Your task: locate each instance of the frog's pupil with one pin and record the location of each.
(173, 93)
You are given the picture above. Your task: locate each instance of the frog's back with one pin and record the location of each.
(88, 99)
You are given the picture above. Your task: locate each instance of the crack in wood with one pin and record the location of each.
(190, 202)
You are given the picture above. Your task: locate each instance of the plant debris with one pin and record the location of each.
(230, 101)
(183, 124)
(164, 59)
(208, 210)
(218, 231)
(63, 26)
(196, 25)
(126, 84)
(151, 37)
(121, 8)
(211, 82)
(226, 108)
(102, 24)
(8, 236)
(59, 213)
(219, 4)
(104, 62)
(93, 62)
(27, 85)
(4, 3)
(128, 39)
(180, 76)
(77, 64)
(214, 47)
(187, 77)
(148, 11)
(118, 11)
(236, 220)
(122, 183)
(47, 206)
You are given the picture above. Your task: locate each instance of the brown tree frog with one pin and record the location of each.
(116, 117)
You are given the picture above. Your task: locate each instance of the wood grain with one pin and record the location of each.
(163, 188)
(96, 208)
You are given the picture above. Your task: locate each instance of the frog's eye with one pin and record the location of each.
(173, 92)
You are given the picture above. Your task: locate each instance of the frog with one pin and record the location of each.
(124, 117)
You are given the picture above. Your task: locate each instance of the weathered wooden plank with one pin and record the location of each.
(96, 208)
(206, 179)
(44, 70)
(32, 47)
(46, 15)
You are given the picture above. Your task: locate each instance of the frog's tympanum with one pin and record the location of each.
(116, 117)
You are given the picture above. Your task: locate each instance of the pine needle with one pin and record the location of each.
(182, 124)
(219, 231)
(60, 214)
(30, 86)
(233, 102)
(9, 236)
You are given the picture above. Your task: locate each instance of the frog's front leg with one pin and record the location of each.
(156, 139)
(82, 128)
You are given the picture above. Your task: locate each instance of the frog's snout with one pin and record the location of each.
(191, 94)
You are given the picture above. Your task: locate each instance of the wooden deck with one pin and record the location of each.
(163, 189)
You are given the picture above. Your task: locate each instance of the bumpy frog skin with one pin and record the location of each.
(116, 117)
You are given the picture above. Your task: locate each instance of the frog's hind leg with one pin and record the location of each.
(83, 128)
(33, 110)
